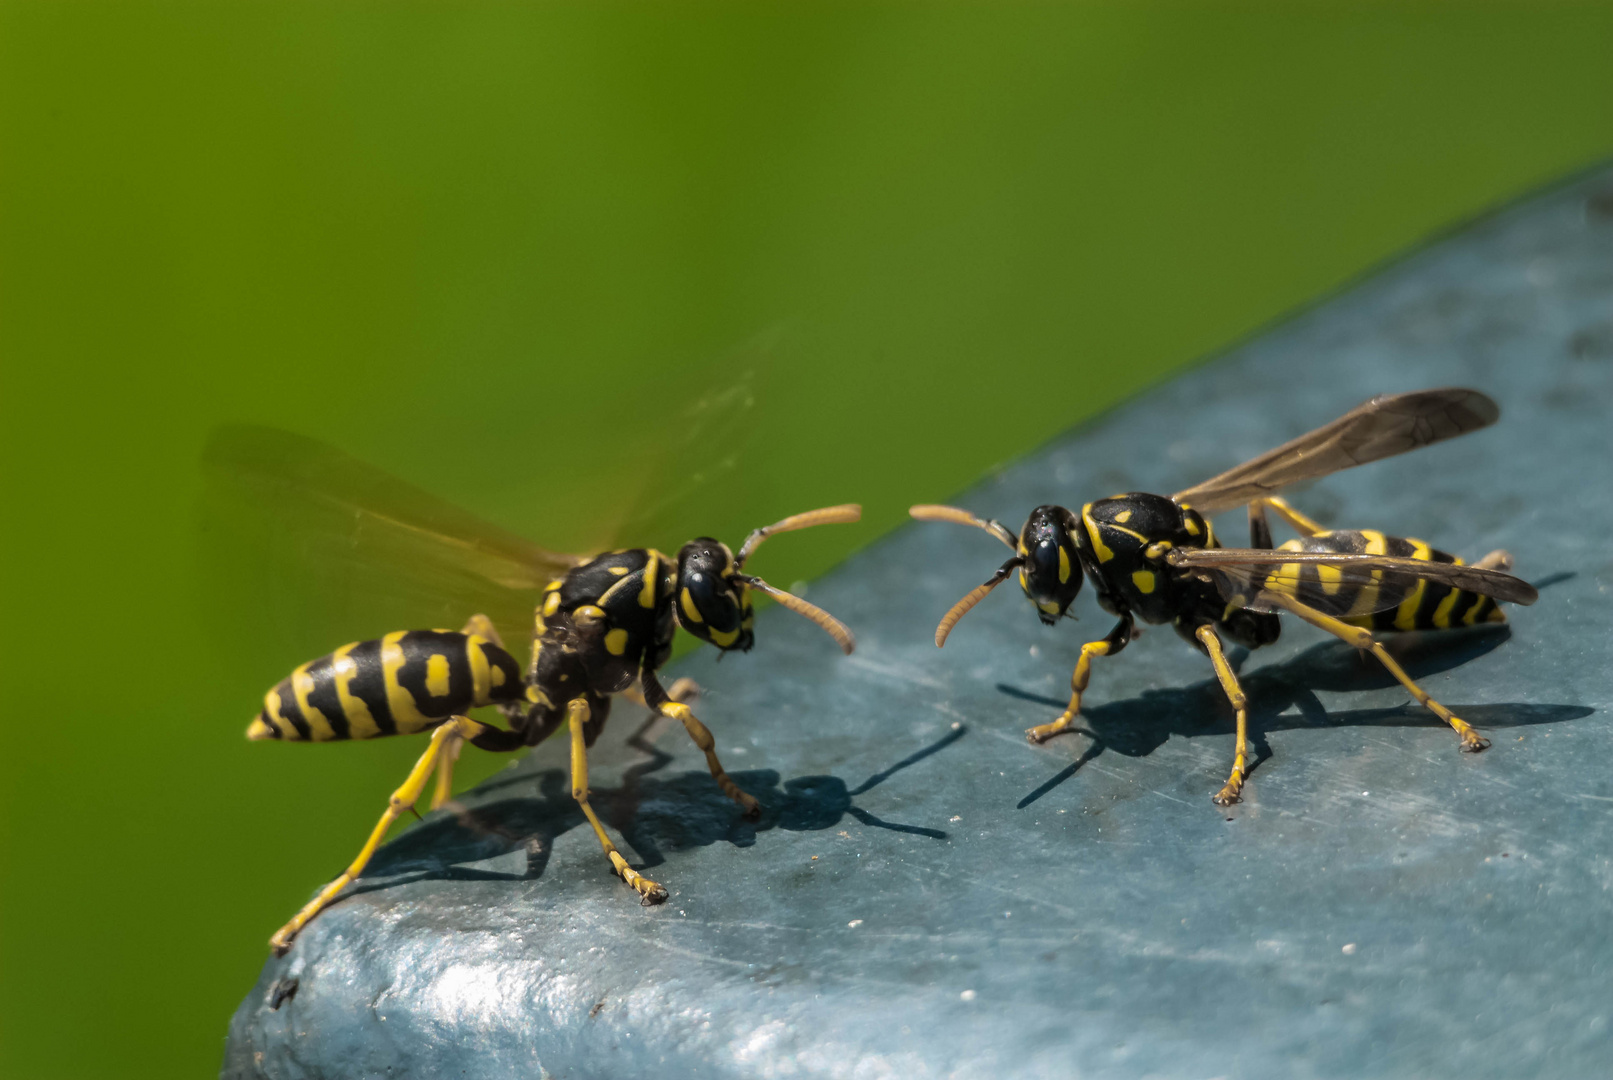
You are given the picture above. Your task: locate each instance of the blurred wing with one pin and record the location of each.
(1337, 585)
(693, 460)
(341, 532)
(1387, 425)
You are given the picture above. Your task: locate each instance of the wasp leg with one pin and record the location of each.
(1300, 523)
(1118, 639)
(649, 892)
(661, 701)
(1229, 683)
(1499, 559)
(681, 690)
(482, 626)
(446, 756)
(459, 727)
(1361, 638)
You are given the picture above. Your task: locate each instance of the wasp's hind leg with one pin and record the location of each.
(481, 626)
(1211, 641)
(1499, 559)
(1118, 639)
(1362, 638)
(659, 699)
(403, 799)
(1298, 521)
(684, 690)
(579, 712)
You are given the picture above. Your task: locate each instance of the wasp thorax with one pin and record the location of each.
(1051, 571)
(712, 603)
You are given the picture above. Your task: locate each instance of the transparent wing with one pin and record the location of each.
(1334, 584)
(691, 463)
(332, 535)
(1387, 425)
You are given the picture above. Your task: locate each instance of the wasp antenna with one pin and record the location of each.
(831, 625)
(976, 594)
(933, 512)
(828, 515)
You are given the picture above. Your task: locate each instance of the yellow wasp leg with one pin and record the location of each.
(1229, 683)
(649, 892)
(662, 701)
(1362, 638)
(481, 626)
(681, 690)
(451, 746)
(402, 799)
(1499, 559)
(701, 735)
(1300, 523)
(1118, 638)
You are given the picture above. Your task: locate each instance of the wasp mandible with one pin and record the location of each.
(604, 626)
(1157, 559)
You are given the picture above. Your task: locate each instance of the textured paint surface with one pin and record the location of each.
(926, 894)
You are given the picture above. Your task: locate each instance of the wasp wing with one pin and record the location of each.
(1387, 425)
(687, 474)
(348, 546)
(1335, 584)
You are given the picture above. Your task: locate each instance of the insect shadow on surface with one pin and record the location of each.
(1283, 696)
(656, 814)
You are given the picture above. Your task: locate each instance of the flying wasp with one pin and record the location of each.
(1157, 559)
(603, 626)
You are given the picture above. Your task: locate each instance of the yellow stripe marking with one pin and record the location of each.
(1367, 599)
(618, 570)
(360, 724)
(551, 603)
(1144, 580)
(652, 570)
(616, 642)
(1191, 526)
(1123, 517)
(1049, 606)
(482, 678)
(1331, 578)
(437, 675)
(271, 707)
(724, 637)
(1098, 546)
(319, 727)
(1442, 614)
(1406, 613)
(405, 714)
(1064, 565)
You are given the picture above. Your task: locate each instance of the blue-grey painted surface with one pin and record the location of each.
(928, 895)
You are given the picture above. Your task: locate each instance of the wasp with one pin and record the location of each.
(603, 627)
(1157, 559)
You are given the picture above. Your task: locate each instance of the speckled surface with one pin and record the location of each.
(926, 894)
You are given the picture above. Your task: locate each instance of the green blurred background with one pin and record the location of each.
(501, 249)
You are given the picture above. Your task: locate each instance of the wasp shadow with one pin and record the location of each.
(656, 815)
(1283, 696)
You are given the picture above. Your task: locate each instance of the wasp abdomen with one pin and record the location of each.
(400, 684)
(1420, 605)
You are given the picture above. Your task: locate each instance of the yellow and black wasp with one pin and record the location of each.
(603, 626)
(1157, 559)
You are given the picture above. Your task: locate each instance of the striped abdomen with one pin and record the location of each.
(1417, 605)
(406, 682)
